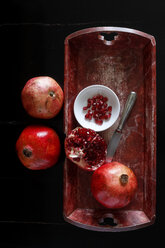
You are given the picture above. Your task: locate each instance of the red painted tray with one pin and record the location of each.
(124, 60)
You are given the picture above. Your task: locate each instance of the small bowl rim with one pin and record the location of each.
(107, 89)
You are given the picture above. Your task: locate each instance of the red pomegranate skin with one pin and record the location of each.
(42, 97)
(111, 189)
(38, 147)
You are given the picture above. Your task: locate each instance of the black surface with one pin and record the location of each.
(32, 37)
(35, 196)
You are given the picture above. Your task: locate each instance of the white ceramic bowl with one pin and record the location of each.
(81, 101)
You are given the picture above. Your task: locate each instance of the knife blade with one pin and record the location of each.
(115, 140)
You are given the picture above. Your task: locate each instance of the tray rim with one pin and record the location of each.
(110, 29)
(109, 229)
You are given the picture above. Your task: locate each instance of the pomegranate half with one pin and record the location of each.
(113, 185)
(85, 148)
(38, 147)
(42, 97)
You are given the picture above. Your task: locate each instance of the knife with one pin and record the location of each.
(114, 142)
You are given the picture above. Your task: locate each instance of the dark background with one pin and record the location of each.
(32, 37)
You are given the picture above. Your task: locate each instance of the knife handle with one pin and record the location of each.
(127, 109)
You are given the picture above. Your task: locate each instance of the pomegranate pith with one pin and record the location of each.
(85, 148)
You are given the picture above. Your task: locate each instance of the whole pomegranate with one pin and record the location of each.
(42, 97)
(113, 185)
(38, 147)
(85, 148)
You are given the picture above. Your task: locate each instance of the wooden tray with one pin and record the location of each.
(125, 63)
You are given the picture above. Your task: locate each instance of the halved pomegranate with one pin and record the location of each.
(85, 148)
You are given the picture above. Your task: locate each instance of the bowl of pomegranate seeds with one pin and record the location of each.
(96, 107)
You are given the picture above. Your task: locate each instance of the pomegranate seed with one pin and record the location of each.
(85, 108)
(105, 99)
(102, 107)
(90, 112)
(99, 122)
(110, 108)
(98, 109)
(86, 116)
(89, 138)
(102, 117)
(102, 110)
(106, 117)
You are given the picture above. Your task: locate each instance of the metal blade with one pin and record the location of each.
(112, 146)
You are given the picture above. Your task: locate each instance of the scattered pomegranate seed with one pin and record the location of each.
(105, 99)
(86, 116)
(110, 108)
(99, 122)
(85, 108)
(90, 112)
(106, 117)
(102, 117)
(98, 109)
